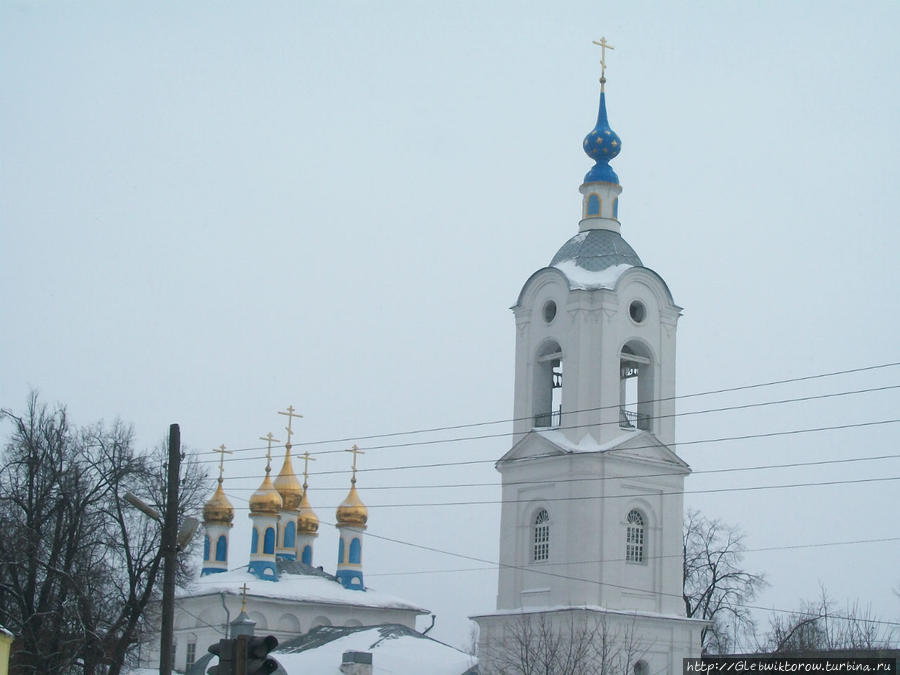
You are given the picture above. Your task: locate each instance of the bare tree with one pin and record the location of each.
(569, 642)
(716, 587)
(821, 626)
(78, 567)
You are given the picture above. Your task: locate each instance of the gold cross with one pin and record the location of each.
(222, 452)
(244, 590)
(356, 451)
(271, 439)
(306, 460)
(604, 45)
(290, 415)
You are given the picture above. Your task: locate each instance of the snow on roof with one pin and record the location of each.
(584, 279)
(586, 444)
(589, 608)
(296, 585)
(395, 649)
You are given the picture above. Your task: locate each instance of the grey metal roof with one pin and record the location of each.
(596, 250)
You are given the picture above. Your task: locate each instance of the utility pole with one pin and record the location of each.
(170, 550)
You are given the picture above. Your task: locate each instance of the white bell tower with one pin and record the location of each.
(592, 494)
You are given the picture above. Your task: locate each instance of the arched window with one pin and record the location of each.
(634, 537)
(269, 540)
(206, 547)
(548, 381)
(340, 550)
(221, 548)
(541, 538)
(289, 535)
(355, 551)
(307, 555)
(254, 541)
(593, 206)
(635, 384)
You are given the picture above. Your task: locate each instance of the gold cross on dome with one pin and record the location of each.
(222, 452)
(271, 439)
(356, 451)
(307, 458)
(244, 590)
(290, 415)
(604, 45)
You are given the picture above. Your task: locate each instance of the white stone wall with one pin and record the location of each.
(588, 497)
(591, 327)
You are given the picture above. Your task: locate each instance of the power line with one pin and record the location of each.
(721, 439)
(539, 571)
(494, 484)
(785, 547)
(710, 392)
(631, 495)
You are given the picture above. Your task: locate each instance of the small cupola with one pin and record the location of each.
(601, 188)
(351, 516)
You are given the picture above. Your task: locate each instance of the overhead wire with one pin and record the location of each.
(720, 439)
(710, 392)
(494, 484)
(630, 495)
(785, 547)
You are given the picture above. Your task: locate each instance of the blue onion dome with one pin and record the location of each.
(601, 145)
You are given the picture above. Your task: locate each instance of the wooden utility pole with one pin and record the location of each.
(170, 551)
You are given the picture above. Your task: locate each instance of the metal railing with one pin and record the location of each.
(631, 419)
(549, 419)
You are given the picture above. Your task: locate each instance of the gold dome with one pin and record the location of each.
(218, 510)
(307, 520)
(266, 499)
(352, 511)
(287, 484)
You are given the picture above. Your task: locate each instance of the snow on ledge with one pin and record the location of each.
(582, 279)
(587, 444)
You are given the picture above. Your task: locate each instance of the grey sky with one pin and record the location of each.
(210, 211)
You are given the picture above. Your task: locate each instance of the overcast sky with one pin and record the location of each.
(211, 210)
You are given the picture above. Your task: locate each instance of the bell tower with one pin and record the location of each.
(595, 330)
(591, 511)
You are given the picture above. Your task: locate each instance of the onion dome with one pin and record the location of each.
(266, 499)
(601, 145)
(287, 484)
(352, 511)
(307, 520)
(218, 510)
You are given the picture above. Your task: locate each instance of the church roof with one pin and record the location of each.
(595, 259)
(638, 444)
(296, 582)
(394, 648)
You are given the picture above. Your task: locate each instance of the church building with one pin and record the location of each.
(283, 591)
(591, 515)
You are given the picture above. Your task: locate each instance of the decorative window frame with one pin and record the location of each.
(636, 536)
(539, 531)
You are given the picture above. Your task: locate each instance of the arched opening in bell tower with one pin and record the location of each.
(636, 398)
(548, 379)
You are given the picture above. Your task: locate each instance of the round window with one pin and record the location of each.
(549, 311)
(637, 311)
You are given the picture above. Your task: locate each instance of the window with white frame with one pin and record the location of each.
(541, 538)
(634, 537)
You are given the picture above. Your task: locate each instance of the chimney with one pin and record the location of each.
(356, 663)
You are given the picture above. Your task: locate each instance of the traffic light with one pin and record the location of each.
(252, 655)
(224, 649)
